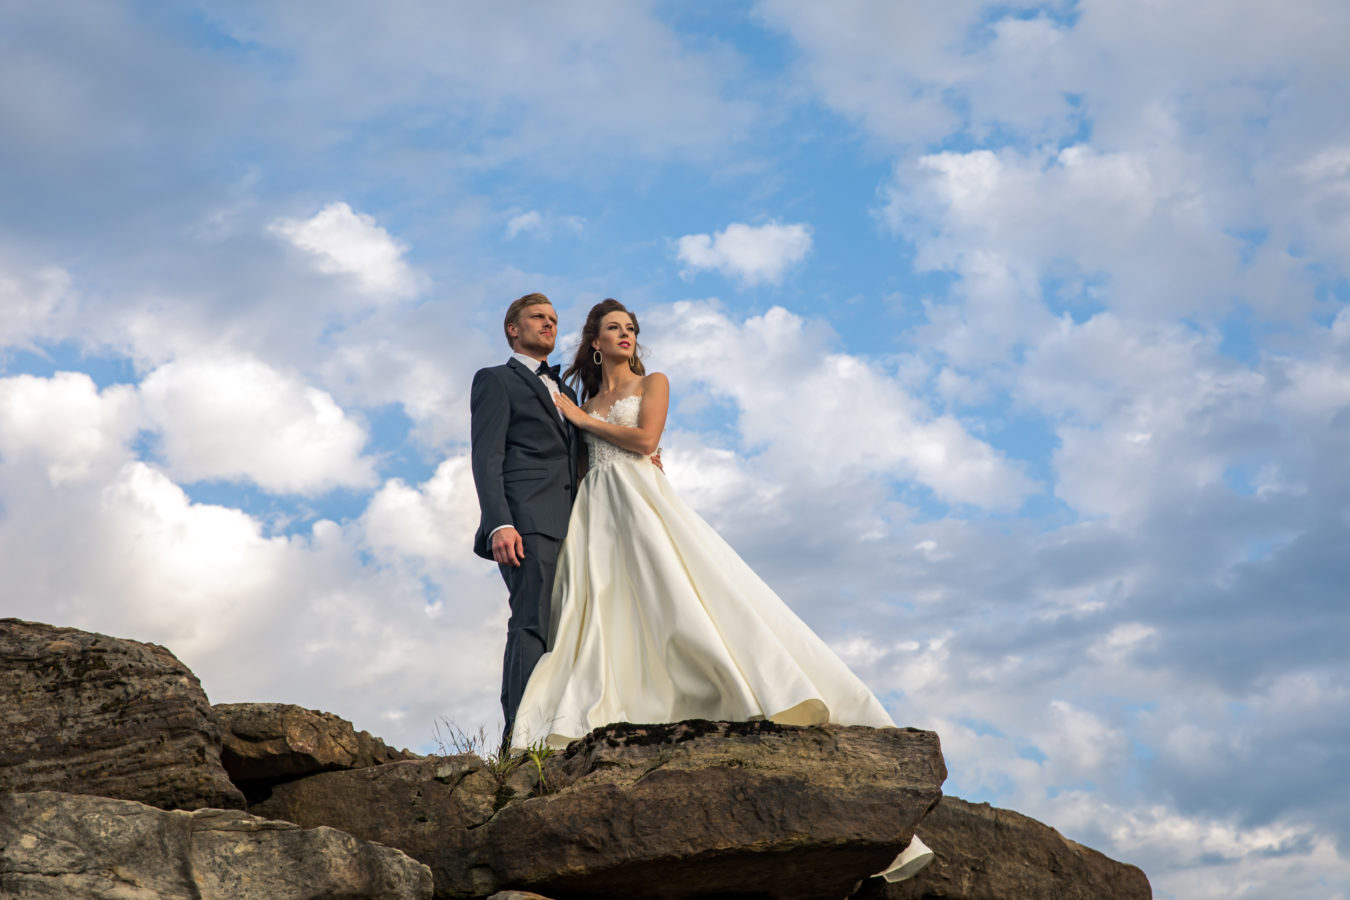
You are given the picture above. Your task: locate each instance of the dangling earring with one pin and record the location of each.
(597, 357)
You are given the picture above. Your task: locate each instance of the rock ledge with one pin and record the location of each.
(91, 714)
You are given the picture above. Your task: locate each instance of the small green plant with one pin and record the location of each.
(451, 740)
(502, 763)
(536, 754)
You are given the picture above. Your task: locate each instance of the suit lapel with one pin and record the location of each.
(537, 385)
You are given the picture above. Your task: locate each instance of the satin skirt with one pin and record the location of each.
(656, 619)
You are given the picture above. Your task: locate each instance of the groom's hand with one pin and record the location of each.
(508, 546)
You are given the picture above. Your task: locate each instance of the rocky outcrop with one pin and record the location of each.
(691, 809)
(986, 853)
(68, 847)
(671, 811)
(87, 713)
(263, 743)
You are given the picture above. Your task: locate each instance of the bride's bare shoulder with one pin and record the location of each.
(656, 380)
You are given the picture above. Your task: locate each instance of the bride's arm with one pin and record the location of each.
(646, 437)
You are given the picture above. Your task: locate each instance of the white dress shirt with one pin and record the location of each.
(531, 363)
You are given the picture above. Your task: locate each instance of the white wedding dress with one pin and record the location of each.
(656, 619)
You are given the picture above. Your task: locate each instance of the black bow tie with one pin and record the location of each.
(550, 371)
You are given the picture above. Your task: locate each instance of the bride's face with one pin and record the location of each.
(618, 337)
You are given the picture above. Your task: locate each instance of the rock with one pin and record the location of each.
(986, 853)
(87, 713)
(431, 809)
(661, 811)
(266, 742)
(517, 895)
(57, 846)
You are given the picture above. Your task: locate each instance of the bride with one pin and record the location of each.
(654, 617)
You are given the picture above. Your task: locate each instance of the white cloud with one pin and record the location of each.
(912, 76)
(422, 360)
(35, 303)
(1137, 223)
(109, 543)
(557, 85)
(344, 242)
(240, 419)
(429, 525)
(1199, 857)
(1340, 328)
(1079, 743)
(882, 64)
(64, 426)
(293, 619)
(198, 575)
(544, 226)
(1170, 205)
(1314, 393)
(1146, 413)
(1122, 641)
(749, 253)
(1321, 185)
(716, 480)
(526, 221)
(808, 409)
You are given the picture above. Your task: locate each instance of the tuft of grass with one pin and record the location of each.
(452, 740)
(502, 763)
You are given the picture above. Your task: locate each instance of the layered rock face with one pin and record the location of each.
(63, 846)
(986, 853)
(674, 811)
(90, 714)
(263, 743)
(692, 809)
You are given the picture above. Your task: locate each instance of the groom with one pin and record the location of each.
(525, 471)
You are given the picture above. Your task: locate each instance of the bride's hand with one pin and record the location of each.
(571, 412)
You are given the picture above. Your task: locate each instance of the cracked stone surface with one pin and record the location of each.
(91, 714)
(987, 853)
(268, 742)
(427, 808)
(662, 811)
(56, 846)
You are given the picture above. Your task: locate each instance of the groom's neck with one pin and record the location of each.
(534, 356)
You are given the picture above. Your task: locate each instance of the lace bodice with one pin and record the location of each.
(623, 412)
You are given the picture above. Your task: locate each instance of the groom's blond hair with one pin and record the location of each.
(514, 311)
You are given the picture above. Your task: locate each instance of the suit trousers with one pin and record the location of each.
(531, 587)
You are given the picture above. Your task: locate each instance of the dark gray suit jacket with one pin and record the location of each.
(524, 455)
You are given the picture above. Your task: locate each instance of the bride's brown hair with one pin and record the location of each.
(585, 371)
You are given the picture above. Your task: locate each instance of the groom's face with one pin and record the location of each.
(536, 330)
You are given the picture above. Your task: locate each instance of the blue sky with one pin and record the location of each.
(1008, 342)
